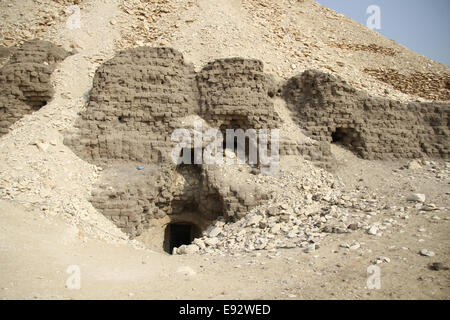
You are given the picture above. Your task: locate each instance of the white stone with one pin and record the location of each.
(430, 207)
(414, 165)
(181, 249)
(254, 220)
(373, 230)
(292, 234)
(191, 249)
(186, 271)
(427, 253)
(416, 197)
(211, 241)
(215, 232)
(200, 243)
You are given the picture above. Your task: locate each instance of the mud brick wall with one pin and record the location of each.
(138, 99)
(25, 80)
(141, 95)
(234, 94)
(318, 152)
(135, 101)
(132, 198)
(328, 109)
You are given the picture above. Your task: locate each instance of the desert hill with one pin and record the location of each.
(310, 231)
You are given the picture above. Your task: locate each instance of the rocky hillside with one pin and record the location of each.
(289, 36)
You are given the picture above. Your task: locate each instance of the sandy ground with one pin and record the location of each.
(37, 251)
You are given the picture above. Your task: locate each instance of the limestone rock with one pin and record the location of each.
(427, 253)
(416, 197)
(186, 271)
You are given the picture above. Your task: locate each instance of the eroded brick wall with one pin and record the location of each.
(135, 101)
(138, 99)
(25, 80)
(327, 108)
(234, 94)
(142, 95)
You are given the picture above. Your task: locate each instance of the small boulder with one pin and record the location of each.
(310, 248)
(414, 165)
(191, 249)
(200, 243)
(416, 197)
(373, 230)
(215, 232)
(427, 253)
(211, 241)
(437, 266)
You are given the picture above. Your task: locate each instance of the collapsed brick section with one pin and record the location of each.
(330, 110)
(25, 79)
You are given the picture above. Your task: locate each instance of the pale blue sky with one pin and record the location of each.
(423, 26)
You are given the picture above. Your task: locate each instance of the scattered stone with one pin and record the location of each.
(427, 253)
(272, 211)
(414, 165)
(211, 241)
(215, 232)
(373, 230)
(353, 226)
(429, 207)
(275, 229)
(310, 248)
(382, 260)
(355, 246)
(437, 266)
(200, 243)
(191, 249)
(254, 220)
(416, 197)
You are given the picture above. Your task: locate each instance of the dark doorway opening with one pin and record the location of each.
(349, 138)
(346, 136)
(178, 234)
(339, 136)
